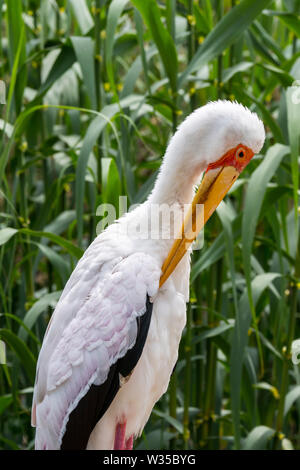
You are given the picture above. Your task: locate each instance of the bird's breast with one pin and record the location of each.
(151, 376)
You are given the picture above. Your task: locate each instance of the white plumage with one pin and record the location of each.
(94, 323)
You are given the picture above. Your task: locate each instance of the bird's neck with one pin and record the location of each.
(179, 173)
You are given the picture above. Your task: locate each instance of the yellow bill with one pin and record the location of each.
(217, 181)
(214, 186)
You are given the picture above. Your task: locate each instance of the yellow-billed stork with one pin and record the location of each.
(112, 342)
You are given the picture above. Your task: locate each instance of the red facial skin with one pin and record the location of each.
(237, 157)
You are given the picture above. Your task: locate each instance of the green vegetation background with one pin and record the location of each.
(94, 91)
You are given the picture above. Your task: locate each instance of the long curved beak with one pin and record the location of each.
(213, 188)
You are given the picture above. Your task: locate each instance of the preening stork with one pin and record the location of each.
(112, 342)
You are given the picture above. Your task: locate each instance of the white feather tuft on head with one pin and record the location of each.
(203, 138)
(210, 131)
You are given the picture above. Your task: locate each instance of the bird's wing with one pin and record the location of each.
(81, 358)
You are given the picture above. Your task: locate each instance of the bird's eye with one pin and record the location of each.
(240, 153)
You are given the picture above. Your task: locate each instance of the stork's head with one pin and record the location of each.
(221, 133)
(219, 139)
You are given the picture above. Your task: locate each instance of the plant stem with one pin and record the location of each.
(220, 57)
(191, 51)
(24, 215)
(290, 337)
(98, 57)
(187, 376)
(210, 357)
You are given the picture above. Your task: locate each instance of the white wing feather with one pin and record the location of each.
(92, 327)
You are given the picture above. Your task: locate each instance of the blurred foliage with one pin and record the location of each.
(94, 91)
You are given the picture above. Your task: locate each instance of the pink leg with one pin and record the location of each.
(129, 443)
(120, 436)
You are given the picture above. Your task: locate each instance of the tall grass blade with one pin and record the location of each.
(225, 33)
(163, 40)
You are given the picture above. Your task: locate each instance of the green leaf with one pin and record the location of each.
(94, 130)
(63, 62)
(258, 438)
(215, 251)
(231, 71)
(269, 345)
(268, 40)
(293, 112)
(225, 33)
(266, 114)
(212, 332)
(140, 36)
(17, 52)
(173, 421)
(254, 199)
(286, 444)
(289, 19)
(82, 15)
(285, 78)
(262, 49)
(202, 24)
(15, 89)
(61, 223)
(239, 343)
(10, 443)
(266, 386)
(111, 183)
(5, 401)
(292, 396)
(6, 128)
(114, 12)
(2, 353)
(59, 264)
(6, 234)
(135, 70)
(151, 15)
(68, 246)
(35, 311)
(155, 440)
(21, 350)
(84, 50)
(226, 219)
(20, 322)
